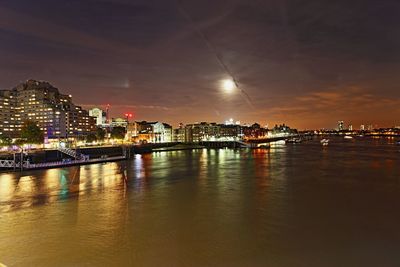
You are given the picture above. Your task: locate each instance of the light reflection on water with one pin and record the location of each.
(294, 205)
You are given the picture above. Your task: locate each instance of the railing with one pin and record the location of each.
(73, 153)
(70, 162)
(243, 144)
(7, 164)
(12, 164)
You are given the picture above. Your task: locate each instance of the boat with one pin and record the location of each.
(348, 137)
(278, 143)
(294, 140)
(325, 142)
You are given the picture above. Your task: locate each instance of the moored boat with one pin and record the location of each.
(294, 140)
(278, 143)
(325, 142)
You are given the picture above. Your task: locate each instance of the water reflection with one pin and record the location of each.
(19, 190)
(284, 206)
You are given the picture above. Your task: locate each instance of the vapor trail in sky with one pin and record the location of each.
(213, 49)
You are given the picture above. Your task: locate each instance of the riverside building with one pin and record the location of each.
(205, 131)
(100, 115)
(149, 132)
(42, 103)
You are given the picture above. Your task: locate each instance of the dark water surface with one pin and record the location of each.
(295, 205)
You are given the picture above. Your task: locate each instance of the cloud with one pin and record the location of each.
(353, 104)
(41, 28)
(155, 107)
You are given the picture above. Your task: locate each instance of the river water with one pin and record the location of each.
(292, 205)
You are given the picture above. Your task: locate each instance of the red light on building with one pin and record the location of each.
(128, 116)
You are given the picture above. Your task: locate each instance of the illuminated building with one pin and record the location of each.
(281, 130)
(179, 134)
(168, 134)
(39, 101)
(230, 132)
(149, 132)
(119, 122)
(202, 132)
(216, 132)
(100, 115)
(340, 125)
(254, 131)
(9, 115)
(350, 127)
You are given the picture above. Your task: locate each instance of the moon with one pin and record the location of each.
(228, 85)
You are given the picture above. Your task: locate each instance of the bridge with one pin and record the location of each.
(264, 140)
(247, 142)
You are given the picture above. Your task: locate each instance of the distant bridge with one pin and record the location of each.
(248, 142)
(268, 139)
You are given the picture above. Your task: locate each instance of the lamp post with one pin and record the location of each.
(22, 159)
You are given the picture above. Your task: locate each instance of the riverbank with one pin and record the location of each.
(39, 159)
(178, 147)
(51, 158)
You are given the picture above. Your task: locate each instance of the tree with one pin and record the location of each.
(90, 138)
(100, 134)
(31, 133)
(118, 133)
(5, 140)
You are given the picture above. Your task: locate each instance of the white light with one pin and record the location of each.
(228, 85)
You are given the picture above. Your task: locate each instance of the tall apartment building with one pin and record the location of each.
(39, 101)
(9, 115)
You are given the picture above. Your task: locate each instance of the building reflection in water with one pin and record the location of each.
(7, 186)
(18, 190)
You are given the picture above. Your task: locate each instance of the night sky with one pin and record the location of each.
(305, 63)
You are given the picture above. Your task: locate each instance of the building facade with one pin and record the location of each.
(254, 131)
(9, 113)
(99, 114)
(149, 132)
(119, 122)
(204, 131)
(38, 101)
(340, 126)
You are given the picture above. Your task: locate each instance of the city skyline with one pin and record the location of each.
(305, 64)
(107, 113)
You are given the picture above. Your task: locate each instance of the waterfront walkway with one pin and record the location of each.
(9, 164)
(77, 158)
